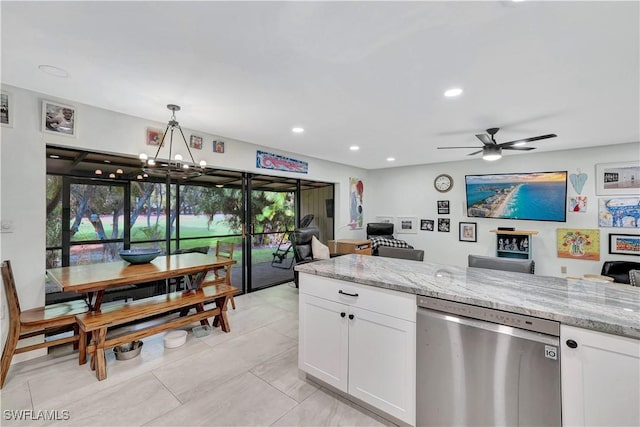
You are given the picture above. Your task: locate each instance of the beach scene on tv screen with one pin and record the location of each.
(537, 196)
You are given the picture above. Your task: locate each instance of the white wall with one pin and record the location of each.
(23, 176)
(409, 191)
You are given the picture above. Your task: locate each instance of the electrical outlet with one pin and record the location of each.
(563, 269)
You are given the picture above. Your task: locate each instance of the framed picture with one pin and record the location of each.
(386, 219)
(578, 243)
(407, 225)
(468, 232)
(218, 146)
(154, 136)
(195, 142)
(443, 207)
(619, 212)
(59, 119)
(624, 244)
(618, 178)
(6, 109)
(444, 225)
(426, 224)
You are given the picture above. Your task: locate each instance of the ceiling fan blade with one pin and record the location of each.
(525, 140)
(474, 153)
(446, 148)
(486, 139)
(519, 148)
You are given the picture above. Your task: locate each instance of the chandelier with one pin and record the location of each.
(175, 167)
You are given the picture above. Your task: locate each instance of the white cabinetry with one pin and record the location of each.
(361, 340)
(600, 378)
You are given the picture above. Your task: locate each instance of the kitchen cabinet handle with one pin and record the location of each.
(343, 314)
(347, 293)
(572, 344)
(351, 316)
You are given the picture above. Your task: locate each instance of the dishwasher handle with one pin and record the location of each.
(491, 327)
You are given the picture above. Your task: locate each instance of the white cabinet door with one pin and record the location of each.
(324, 340)
(382, 360)
(600, 379)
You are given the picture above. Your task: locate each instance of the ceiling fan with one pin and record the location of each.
(493, 151)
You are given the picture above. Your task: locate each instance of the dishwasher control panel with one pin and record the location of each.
(530, 323)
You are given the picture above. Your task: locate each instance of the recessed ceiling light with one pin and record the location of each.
(297, 130)
(54, 156)
(456, 91)
(354, 148)
(53, 70)
(107, 161)
(391, 159)
(219, 185)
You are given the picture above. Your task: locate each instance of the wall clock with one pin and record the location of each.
(443, 183)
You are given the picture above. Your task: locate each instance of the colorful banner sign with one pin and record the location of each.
(280, 163)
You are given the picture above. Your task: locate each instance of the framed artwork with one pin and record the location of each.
(195, 142)
(619, 213)
(618, 178)
(59, 119)
(154, 136)
(386, 219)
(578, 204)
(218, 146)
(624, 244)
(444, 225)
(356, 203)
(407, 225)
(426, 224)
(468, 232)
(6, 109)
(578, 243)
(443, 207)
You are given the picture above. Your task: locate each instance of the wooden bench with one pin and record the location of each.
(144, 313)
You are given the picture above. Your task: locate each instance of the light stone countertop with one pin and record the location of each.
(606, 307)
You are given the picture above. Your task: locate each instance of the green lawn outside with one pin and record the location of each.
(190, 226)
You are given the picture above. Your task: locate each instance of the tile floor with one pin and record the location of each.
(247, 377)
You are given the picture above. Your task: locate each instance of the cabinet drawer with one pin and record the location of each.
(392, 303)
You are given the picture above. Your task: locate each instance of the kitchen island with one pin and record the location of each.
(599, 376)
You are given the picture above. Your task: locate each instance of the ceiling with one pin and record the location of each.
(370, 74)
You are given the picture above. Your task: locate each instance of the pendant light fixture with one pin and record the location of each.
(175, 166)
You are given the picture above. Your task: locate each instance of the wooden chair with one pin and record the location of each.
(224, 250)
(55, 318)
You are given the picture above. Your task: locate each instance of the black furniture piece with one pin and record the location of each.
(505, 264)
(380, 229)
(301, 242)
(381, 234)
(619, 270)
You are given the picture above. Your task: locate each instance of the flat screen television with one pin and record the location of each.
(537, 196)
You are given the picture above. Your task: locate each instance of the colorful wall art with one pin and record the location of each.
(619, 212)
(274, 161)
(578, 204)
(356, 210)
(579, 243)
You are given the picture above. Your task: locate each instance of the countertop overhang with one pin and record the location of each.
(606, 307)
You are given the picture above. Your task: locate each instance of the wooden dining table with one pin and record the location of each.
(94, 279)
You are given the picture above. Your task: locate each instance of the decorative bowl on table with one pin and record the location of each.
(139, 256)
(128, 351)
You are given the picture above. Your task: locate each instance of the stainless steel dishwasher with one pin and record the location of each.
(484, 367)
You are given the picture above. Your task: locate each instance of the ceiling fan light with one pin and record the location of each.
(491, 153)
